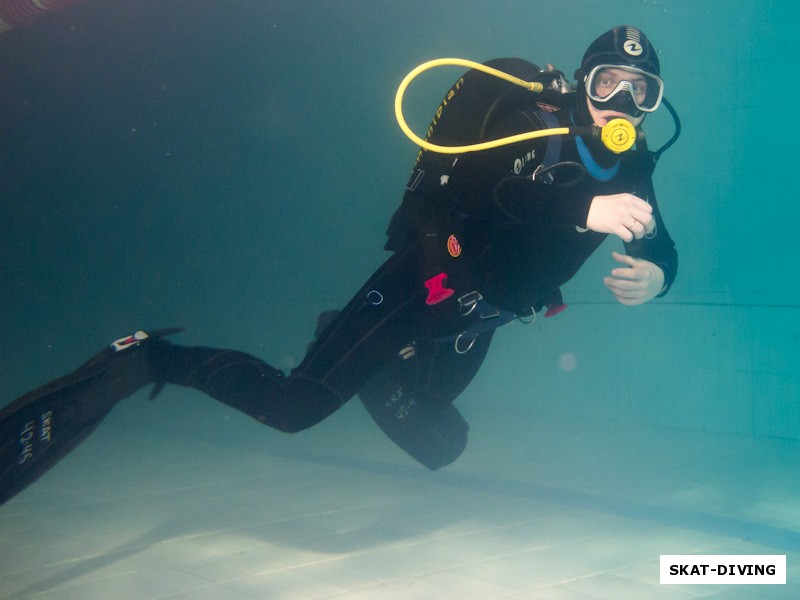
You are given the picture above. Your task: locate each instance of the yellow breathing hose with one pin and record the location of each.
(618, 135)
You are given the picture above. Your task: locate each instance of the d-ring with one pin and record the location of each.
(472, 338)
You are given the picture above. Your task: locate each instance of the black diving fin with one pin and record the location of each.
(40, 428)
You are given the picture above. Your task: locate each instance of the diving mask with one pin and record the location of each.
(626, 89)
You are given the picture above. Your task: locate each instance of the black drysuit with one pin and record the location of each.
(508, 224)
(520, 238)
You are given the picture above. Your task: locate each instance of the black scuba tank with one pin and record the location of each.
(472, 105)
(428, 217)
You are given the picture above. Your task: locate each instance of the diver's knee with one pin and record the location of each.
(306, 402)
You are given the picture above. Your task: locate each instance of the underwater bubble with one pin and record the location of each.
(567, 362)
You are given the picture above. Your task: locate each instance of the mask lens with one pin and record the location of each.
(607, 82)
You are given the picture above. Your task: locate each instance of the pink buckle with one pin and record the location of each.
(552, 311)
(436, 290)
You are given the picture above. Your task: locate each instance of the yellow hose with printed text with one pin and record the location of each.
(616, 130)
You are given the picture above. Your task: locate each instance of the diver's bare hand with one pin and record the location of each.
(624, 215)
(637, 282)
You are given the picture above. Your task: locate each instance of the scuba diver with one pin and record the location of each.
(480, 239)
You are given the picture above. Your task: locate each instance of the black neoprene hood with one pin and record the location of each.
(623, 45)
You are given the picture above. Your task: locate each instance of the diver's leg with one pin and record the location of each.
(411, 398)
(442, 373)
(357, 342)
(41, 427)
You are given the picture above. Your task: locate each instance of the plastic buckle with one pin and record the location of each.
(415, 179)
(436, 290)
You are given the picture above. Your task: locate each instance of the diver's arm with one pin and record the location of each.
(523, 200)
(624, 215)
(636, 282)
(656, 247)
(526, 201)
